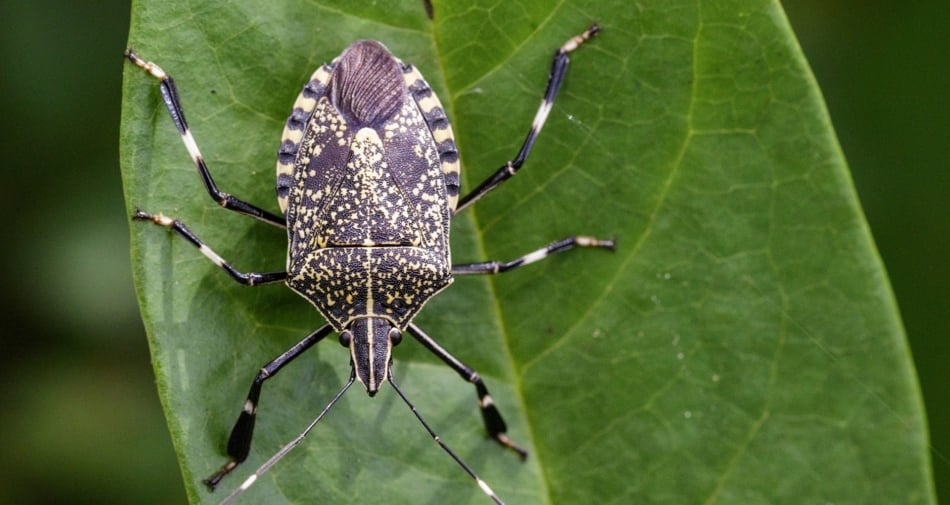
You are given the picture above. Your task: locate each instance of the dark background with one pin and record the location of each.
(81, 421)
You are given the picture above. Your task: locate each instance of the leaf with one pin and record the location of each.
(741, 346)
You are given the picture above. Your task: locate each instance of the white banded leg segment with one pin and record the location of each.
(576, 41)
(248, 279)
(541, 117)
(148, 66)
(191, 146)
(173, 104)
(558, 70)
(494, 423)
(496, 267)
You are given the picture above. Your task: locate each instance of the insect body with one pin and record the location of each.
(362, 183)
(367, 182)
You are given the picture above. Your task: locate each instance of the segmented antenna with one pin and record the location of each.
(296, 441)
(481, 484)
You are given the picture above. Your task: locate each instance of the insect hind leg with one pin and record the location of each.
(494, 423)
(239, 443)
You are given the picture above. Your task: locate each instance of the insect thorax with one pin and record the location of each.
(366, 198)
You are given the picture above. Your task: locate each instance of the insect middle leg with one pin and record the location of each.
(494, 424)
(510, 168)
(239, 443)
(248, 279)
(497, 267)
(173, 104)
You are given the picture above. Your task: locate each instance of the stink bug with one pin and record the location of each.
(367, 182)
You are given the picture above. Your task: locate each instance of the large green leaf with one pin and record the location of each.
(741, 346)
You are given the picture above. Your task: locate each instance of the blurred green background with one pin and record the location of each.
(82, 422)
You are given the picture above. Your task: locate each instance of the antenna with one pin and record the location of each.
(482, 484)
(296, 441)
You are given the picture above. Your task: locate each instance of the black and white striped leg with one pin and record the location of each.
(239, 444)
(248, 279)
(558, 70)
(497, 267)
(481, 484)
(173, 103)
(494, 424)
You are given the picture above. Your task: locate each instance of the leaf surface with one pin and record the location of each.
(742, 345)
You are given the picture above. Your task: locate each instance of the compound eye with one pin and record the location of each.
(395, 336)
(346, 338)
